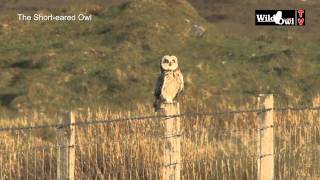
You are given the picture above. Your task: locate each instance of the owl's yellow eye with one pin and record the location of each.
(174, 61)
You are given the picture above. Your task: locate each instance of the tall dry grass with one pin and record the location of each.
(213, 147)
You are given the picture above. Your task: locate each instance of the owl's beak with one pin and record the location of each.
(169, 64)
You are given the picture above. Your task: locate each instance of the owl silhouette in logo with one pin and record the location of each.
(278, 17)
(170, 82)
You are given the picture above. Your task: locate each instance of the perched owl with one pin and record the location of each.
(170, 83)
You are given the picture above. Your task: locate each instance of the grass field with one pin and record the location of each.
(113, 60)
(213, 147)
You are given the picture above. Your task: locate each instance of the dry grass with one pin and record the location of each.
(134, 149)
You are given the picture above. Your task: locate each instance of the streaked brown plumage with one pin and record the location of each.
(170, 82)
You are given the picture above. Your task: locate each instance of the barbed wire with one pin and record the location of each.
(254, 156)
(137, 118)
(152, 137)
(36, 148)
(288, 126)
(49, 147)
(302, 108)
(152, 117)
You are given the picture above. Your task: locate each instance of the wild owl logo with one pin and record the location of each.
(170, 83)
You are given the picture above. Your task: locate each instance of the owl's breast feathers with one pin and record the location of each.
(168, 87)
(171, 86)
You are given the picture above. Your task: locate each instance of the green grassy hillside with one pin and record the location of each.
(114, 59)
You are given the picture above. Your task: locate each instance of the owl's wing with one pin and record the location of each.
(180, 76)
(158, 87)
(181, 82)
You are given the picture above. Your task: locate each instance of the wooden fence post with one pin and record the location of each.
(265, 139)
(172, 148)
(66, 149)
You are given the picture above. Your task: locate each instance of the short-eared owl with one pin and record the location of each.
(170, 83)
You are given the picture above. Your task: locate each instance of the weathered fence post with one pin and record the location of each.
(172, 156)
(66, 149)
(265, 139)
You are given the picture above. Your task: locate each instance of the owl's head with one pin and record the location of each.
(169, 63)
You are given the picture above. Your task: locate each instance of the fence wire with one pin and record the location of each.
(215, 145)
(157, 117)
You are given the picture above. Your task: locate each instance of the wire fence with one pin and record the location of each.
(215, 145)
